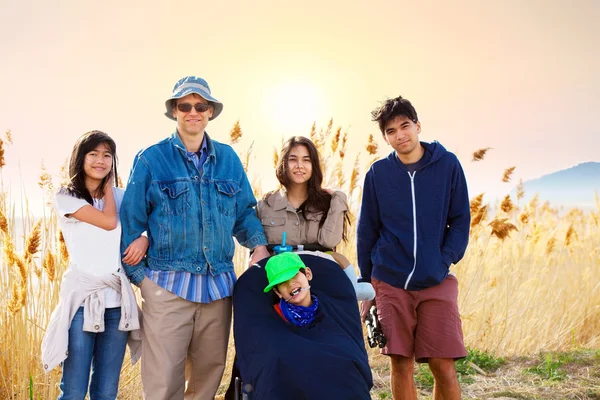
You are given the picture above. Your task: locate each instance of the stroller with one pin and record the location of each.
(276, 360)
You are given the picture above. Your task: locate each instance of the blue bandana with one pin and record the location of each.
(298, 315)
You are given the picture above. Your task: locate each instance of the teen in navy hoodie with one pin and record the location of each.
(413, 225)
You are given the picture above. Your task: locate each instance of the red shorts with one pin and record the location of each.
(421, 323)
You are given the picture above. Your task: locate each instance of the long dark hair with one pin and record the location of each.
(318, 199)
(86, 143)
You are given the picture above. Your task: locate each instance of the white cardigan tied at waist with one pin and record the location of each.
(79, 287)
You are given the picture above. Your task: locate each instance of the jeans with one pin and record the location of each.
(101, 352)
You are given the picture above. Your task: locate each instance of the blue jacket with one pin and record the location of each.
(412, 227)
(190, 219)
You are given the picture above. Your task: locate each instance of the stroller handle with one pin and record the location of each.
(302, 247)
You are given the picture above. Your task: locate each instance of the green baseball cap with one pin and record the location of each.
(282, 268)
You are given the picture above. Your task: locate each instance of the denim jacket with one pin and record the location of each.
(164, 195)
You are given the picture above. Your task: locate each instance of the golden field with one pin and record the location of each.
(530, 280)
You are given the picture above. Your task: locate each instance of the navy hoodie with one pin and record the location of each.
(413, 226)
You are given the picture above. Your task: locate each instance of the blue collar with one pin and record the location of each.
(207, 144)
(203, 149)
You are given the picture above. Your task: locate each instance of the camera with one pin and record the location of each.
(375, 335)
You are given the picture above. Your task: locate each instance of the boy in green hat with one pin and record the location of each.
(289, 278)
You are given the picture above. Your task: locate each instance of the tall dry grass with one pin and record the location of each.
(529, 280)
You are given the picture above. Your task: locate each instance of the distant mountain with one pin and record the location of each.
(571, 187)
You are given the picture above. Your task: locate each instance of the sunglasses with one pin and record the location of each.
(187, 107)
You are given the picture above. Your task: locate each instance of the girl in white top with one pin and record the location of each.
(87, 208)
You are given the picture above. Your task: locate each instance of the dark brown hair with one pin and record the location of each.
(392, 108)
(318, 199)
(86, 143)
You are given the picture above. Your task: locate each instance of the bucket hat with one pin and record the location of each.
(189, 85)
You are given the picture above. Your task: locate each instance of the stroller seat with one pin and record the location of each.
(325, 360)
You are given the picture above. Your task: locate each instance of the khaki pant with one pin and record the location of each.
(184, 345)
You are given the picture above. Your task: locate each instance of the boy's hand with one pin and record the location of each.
(365, 306)
(134, 253)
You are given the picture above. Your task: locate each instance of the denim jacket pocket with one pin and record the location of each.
(226, 191)
(175, 196)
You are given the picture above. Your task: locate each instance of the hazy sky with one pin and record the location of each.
(518, 76)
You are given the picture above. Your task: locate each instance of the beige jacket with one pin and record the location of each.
(79, 287)
(277, 216)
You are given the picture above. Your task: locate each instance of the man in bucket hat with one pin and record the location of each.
(191, 195)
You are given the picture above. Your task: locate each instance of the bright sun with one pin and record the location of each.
(294, 106)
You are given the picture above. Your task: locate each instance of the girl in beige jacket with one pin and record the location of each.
(303, 209)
